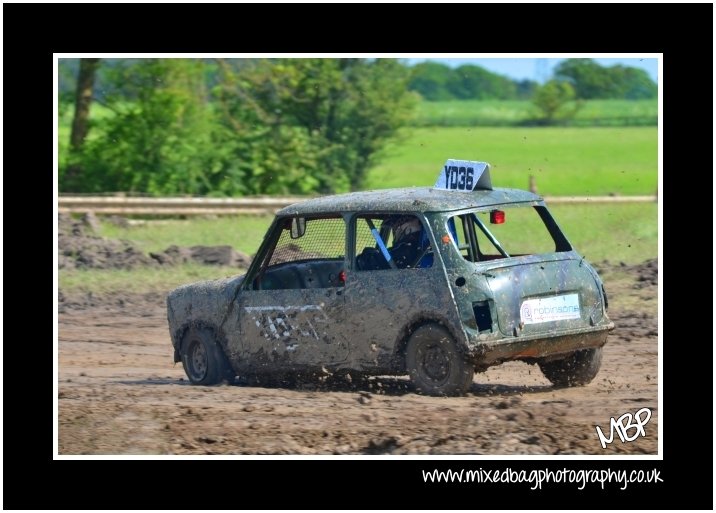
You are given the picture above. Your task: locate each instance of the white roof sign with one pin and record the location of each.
(464, 176)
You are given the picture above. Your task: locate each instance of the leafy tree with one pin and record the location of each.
(632, 83)
(160, 142)
(429, 79)
(469, 82)
(67, 71)
(346, 109)
(249, 126)
(552, 98)
(80, 121)
(526, 89)
(435, 81)
(586, 76)
(591, 81)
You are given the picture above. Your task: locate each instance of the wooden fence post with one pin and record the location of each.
(532, 187)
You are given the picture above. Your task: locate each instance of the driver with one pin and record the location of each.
(407, 232)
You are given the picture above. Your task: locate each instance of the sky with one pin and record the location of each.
(537, 69)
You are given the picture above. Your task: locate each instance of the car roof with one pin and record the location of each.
(411, 199)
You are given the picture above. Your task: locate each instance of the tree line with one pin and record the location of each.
(589, 80)
(435, 81)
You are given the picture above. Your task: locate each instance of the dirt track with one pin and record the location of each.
(120, 393)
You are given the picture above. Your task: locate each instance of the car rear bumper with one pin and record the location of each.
(488, 353)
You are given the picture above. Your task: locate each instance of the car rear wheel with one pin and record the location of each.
(435, 364)
(578, 368)
(204, 361)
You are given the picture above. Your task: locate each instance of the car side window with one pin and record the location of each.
(309, 253)
(391, 241)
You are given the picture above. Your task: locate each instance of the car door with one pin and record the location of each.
(291, 313)
(382, 300)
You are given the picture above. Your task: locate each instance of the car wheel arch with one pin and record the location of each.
(415, 323)
(199, 325)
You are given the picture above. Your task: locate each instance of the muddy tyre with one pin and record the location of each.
(577, 369)
(435, 363)
(204, 361)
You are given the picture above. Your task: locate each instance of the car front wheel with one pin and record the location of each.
(204, 361)
(435, 364)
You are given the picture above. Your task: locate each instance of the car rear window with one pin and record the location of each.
(506, 232)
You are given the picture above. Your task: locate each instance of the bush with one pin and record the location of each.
(265, 127)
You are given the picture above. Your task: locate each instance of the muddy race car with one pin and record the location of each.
(435, 282)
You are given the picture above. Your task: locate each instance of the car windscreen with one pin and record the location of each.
(506, 232)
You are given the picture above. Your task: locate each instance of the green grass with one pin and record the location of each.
(564, 160)
(467, 112)
(244, 233)
(616, 232)
(626, 232)
(140, 280)
(515, 112)
(619, 109)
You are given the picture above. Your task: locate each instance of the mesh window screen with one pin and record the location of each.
(324, 238)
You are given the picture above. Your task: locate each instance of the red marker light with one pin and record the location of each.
(497, 217)
(342, 276)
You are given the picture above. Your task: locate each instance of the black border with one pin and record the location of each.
(33, 32)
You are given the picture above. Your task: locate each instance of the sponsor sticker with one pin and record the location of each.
(546, 309)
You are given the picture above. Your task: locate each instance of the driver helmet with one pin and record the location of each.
(405, 227)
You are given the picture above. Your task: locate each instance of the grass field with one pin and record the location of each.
(243, 233)
(141, 280)
(618, 233)
(564, 160)
(514, 112)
